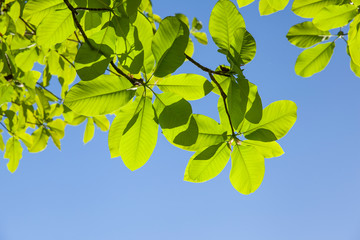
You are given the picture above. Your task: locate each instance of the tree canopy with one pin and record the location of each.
(125, 57)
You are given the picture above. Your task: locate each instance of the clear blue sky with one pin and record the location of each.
(312, 192)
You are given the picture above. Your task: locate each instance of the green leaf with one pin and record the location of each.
(247, 169)
(172, 111)
(225, 19)
(183, 18)
(189, 48)
(36, 10)
(119, 124)
(277, 120)
(207, 163)
(267, 149)
(243, 47)
(310, 8)
(6, 93)
(355, 68)
(145, 32)
(100, 96)
(102, 122)
(57, 131)
(90, 63)
(89, 130)
(25, 59)
(243, 3)
(2, 144)
(196, 25)
(334, 16)
(56, 28)
(201, 37)
(208, 133)
(354, 40)
(187, 86)
(40, 140)
(139, 138)
(306, 34)
(169, 44)
(13, 152)
(237, 99)
(278, 4)
(314, 60)
(265, 8)
(254, 107)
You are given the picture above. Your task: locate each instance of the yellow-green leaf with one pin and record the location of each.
(89, 130)
(13, 152)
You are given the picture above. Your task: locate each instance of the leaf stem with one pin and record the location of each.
(48, 91)
(28, 25)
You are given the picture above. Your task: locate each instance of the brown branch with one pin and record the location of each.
(48, 91)
(28, 25)
(77, 23)
(67, 60)
(224, 96)
(205, 69)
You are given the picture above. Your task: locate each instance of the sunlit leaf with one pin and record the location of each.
(277, 120)
(354, 40)
(57, 131)
(278, 4)
(247, 169)
(305, 35)
(243, 3)
(6, 92)
(265, 8)
(169, 44)
(310, 8)
(207, 163)
(267, 149)
(102, 122)
(334, 16)
(225, 19)
(314, 60)
(100, 96)
(89, 130)
(188, 86)
(36, 10)
(40, 140)
(139, 137)
(13, 152)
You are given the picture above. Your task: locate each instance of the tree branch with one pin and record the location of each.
(224, 96)
(77, 23)
(48, 91)
(205, 69)
(28, 25)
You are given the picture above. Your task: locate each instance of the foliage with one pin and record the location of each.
(327, 16)
(125, 57)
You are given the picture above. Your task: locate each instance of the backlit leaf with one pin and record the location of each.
(89, 130)
(13, 152)
(314, 60)
(310, 8)
(207, 163)
(243, 3)
(354, 40)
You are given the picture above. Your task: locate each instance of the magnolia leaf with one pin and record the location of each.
(278, 4)
(36, 10)
(55, 28)
(225, 19)
(254, 107)
(102, 122)
(187, 86)
(243, 3)
(265, 8)
(119, 124)
(277, 120)
(242, 47)
(306, 34)
(6, 93)
(57, 131)
(310, 8)
(139, 137)
(267, 149)
(40, 140)
(100, 96)
(2, 144)
(200, 37)
(13, 152)
(89, 130)
(314, 60)
(208, 132)
(334, 16)
(354, 40)
(207, 163)
(169, 44)
(355, 68)
(247, 169)
(190, 48)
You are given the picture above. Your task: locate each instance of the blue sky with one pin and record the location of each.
(311, 192)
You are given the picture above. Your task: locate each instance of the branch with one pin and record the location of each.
(48, 91)
(224, 96)
(67, 60)
(28, 25)
(205, 69)
(74, 13)
(5, 128)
